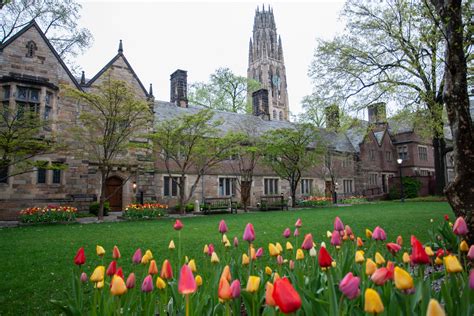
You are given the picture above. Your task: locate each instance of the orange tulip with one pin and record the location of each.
(166, 270)
(118, 286)
(224, 291)
(116, 253)
(226, 273)
(152, 269)
(269, 294)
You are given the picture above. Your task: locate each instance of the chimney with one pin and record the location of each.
(377, 113)
(260, 104)
(179, 88)
(332, 117)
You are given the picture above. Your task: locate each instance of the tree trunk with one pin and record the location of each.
(245, 187)
(293, 185)
(103, 176)
(460, 192)
(439, 148)
(182, 196)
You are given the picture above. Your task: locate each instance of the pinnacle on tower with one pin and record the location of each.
(120, 49)
(83, 78)
(150, 91)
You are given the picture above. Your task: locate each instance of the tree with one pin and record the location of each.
(390, 51)
(191, 144)
(111, 118)
(57, 18)
(460, 195)
(291, 151)
(225, 92)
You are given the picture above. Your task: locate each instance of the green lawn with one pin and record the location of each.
(36, 261)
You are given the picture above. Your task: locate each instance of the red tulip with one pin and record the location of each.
(391, 270)
(249, 233)
(116, 253)
(286, 233)
(460, 227)
(130, 281)
(418, 253)
(335, 238)
(178, 225)
(446, 217)
(119, 272)
(137, 256)
(380, 276)
(147, 285)
(222, 227)
(379, 234)
(338, 225)
(349, 286)
(393, 248)
(285, 296)
(186, 283)
(324, 258)
(80, 257)
(298, 223)
(166, 270)
(307, 242)
(112, 268)
(235, 288)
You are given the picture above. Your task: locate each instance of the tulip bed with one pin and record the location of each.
(48, 214)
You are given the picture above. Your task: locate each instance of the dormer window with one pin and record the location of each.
(31, 49)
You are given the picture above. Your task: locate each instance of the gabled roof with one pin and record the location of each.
(379, 136)
(33, 24)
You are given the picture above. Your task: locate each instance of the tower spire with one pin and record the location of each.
(120, 49)
(83, 78)
(150, 91)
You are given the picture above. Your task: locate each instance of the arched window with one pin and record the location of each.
(274, 114)
(31, 49)
(280, 116)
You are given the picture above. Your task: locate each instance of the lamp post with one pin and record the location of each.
(399, 162)
(334, 194)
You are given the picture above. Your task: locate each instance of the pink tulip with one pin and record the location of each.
(298, 223)
(286, 233)
(83, 277)
(471, 279)
(460, 227)
(380, 276)
(335, 238)
(223, 227)
(393, 248)
(280, 260)
(349, 286)
(379, 234)
(178, 225)
(186, 283)
(235, 288)
(348, 230)
(147, 285)
(130, 284)
(137, 256)
(470, 253)
(292, 265)
(211, 249)
(259, 252)
(249, 233)
(400, 240)
(296, 233)
(236, 242)
(338, 225)
(307, 242)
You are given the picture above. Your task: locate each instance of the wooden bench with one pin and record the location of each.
(221, 203)
(273, 202)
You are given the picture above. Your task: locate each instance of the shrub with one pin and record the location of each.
(354, 200)
(189, 208)
(411, 187)
(145, 211)
(94, 208)
(315, 201)
(48, 214)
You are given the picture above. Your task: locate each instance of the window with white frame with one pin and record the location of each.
(347, 184)
(227, 186)
(373, 179)
(270, 186)
(402, 152)
(170, 186)
(423, 153)
(306, 186)
(424, 172)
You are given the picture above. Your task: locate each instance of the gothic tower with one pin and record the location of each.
(267, 66)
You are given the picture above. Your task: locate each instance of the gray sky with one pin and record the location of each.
(160, 37)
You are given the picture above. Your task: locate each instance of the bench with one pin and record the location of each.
(222, 203)
(274, 202)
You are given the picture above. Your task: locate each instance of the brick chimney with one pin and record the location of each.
(179, 88)
(377, 113)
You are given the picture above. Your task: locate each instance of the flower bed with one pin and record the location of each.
(354, 200)
(48, 214)
(342, 274)
(145, 211)
(315, 201)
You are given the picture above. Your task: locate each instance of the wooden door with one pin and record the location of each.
(328, 190)
(113, 193)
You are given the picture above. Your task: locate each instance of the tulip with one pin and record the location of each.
(399, 240)
(223, 227)
(373, 303)
(198, 280)
(380, 276)
(379, 234)
(429, 251)
(235, 288)
(292, 265)
(245, 259)
(226, 273)
(192, 265)
(368, 233)
(236, 242)
(328, 234)
(403, 280)
(279, 247)
(100, 250)
(206, 249)
(307, 242)
(391, 270)
(214, 258)
(137, 256)
(359, 256)
(98, 274)
(166, 270)
(348, 230)
(147, 257)
(460, 227)
(147, 285)
(99, 285)
(160, 283)
(406, 257)
(289, 246)
(452, 264)
(360, 243)
(119, 272)
(324, 258)
(287, 233)
(276, 276)
(335, 239)
(210, 249)
(296, 233)
(80, 257)
(268, 270)
(470, 253)
(435, 309)
(349, 286)
(298, 223)
(259, 252)
(171, 245)
(279, 260)
(299, 254)
(446, 217)
(269, 294)
(130, 281)
(252, 284)
(463, 246)
(249, 233)
(370, 267)
(225, 239)
(118, 286)
(83, 277)
(224, 292)
(338, 225)
(379, 259)
(178, 225)
(418, 253)
(312, 252)
(393, 248)
(152, 269)
(471, 279)
(272, 249)
(186, 283)
(116, 253)
(438, 261)
(285, 296)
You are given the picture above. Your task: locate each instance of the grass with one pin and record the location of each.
(36, 261)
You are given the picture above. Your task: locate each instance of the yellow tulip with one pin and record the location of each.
(147, 257)
(160, 283)
(171, 246)
(214, 258)
(289, 246)
(268, 270)
(279, 247)
(276, 276)
(252, 253)
(224, 238)
(333, 264)
(368, 233)
(99, 285)
(227, 244)
(273, 250)
(452, 264)
(328, 234)
(192, 265)
(406, 257)
(434, 309)
(359, 256)
(253, 284)
(438, 261)
(98, 274)
(100, 250)
(118, 286)
(463, 246)
(429, 251)
(403, 280)
(198, 280)
(379, 259)
(299, 254)
(206, 249)
(373, 303)
(245, 259)
(370, 267)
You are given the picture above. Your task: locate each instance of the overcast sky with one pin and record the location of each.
(160, 37)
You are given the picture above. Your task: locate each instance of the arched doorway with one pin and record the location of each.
(113, 193)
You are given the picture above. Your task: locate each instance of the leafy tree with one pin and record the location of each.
(291, 151)
(57, 18)
(110, 119)
(390, 51)
(191, 144)
(225, 91)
